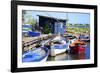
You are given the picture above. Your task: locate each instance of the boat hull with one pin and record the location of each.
(78, 50)
(36, 55)
(55, 52)
(59, 49)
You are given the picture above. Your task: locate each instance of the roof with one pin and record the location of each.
(52, 17)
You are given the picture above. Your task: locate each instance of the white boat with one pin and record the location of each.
(36, 55)
(58, 46)
(58, 49)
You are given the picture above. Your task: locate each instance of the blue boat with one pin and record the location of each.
(33, 33)
(27, 26)
(85, 38)
(36, 55)
(28, 30)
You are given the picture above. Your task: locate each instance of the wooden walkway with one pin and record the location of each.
(33, 40)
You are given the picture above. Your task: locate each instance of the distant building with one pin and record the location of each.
(57, 26)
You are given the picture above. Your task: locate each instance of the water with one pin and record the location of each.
(87, 52)
(68, 56)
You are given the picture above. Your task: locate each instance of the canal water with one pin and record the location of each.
(69, 56)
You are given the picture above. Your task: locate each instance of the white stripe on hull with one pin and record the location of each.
(54, 52)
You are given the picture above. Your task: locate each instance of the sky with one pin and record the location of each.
(74, 18)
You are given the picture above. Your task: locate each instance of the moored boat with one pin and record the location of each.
(78, 47)
(36, 55)
(28, 30)
(33, 33)
(78, 41)
(58, 46)
(25, 29)
(85, 38)
(71, 39)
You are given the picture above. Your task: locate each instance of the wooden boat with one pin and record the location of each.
(58, 46)
(36, 55)
(85, 38)
(78, 41)
(78, 47)
(58, 49)
(71, 39)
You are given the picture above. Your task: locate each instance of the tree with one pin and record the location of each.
(81, 25)
(46, 28)
(87, 25)
(69, 24)
(23, 16)
(76, 24)
(28, 18)
(31, 20)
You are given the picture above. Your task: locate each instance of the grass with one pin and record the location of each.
(78, 30)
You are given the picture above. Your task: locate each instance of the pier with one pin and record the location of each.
(32, 42)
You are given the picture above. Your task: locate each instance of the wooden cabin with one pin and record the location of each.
(52, 25)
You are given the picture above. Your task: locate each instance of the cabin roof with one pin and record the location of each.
(52, 17)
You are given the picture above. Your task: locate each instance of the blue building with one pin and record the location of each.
(56, 26)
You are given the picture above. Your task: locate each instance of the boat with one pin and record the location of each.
(28, 30)
(58, 49)
(71, 39)
(77, 47)
(25, 29)
(78, 41)
(85, 38)
(58, 46)
(33, 33)
(36, 55)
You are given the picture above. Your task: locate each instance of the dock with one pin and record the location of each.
(33, 40)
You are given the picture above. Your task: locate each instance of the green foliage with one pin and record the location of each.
(76, 28)
(47, 29)
(28, 19)
(31, 21)
(23, 15)
(69, 24)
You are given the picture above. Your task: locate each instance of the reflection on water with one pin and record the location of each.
(68, 56)
(87, 51)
